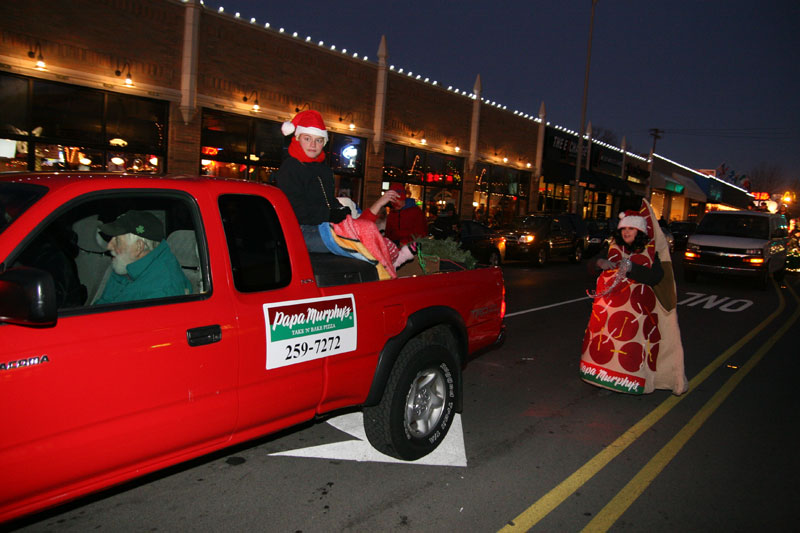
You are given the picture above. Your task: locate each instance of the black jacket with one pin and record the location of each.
(301, 184)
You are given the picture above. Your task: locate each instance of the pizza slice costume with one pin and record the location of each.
(632, 343)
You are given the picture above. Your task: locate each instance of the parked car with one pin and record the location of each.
(668, 235)
(545, 236)
(738, 243)
(268, 335)
(598, 232)
(486, 244)
(681, 232)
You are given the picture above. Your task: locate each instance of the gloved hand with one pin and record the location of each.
(605, 264)
(625, 265)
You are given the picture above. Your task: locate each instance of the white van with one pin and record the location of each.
(738, 243)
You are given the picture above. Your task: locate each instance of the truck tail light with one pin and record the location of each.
(690, 255)
(755, 260)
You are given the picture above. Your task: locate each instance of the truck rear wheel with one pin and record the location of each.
(418, 405)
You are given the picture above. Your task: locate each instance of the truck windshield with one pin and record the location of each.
(749, 226)
(15, 198)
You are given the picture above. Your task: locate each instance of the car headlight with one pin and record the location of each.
(525, 239)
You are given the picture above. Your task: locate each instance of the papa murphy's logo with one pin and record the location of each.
(302, 330)
(312, 317)
(612, 380)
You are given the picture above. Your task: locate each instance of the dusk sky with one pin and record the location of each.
(721, 78)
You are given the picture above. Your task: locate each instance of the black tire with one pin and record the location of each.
(577, 254)
(419, 401)
(494, 258)
(689, 275)
(540, 259)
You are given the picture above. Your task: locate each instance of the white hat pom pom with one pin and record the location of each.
(287, 128)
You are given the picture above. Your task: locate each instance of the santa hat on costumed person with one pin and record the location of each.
(308, 121)
(632, 219)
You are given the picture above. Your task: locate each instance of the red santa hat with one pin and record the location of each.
(308, 121)
(632, 219)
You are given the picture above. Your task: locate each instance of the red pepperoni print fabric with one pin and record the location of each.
(624, 336)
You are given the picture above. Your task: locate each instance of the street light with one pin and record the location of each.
(576, 193)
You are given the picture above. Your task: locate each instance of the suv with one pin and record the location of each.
(543, 236)
(741, 243)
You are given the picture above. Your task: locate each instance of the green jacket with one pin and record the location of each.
(156, 275)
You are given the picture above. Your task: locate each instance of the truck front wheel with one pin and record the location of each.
(418, 405)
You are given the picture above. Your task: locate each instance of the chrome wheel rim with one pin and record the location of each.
(425, 402)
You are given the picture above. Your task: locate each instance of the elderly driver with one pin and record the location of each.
(143, 264)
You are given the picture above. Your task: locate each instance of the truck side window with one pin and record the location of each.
(256, 245)
(71, 247)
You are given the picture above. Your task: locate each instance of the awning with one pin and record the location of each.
(691, 189)
(607, 183)
(677, 184)
(557, 172)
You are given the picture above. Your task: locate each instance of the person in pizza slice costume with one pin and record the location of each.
(632, 343)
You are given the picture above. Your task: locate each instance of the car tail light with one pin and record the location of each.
(503, 304)
(688, 254)
(754, 260)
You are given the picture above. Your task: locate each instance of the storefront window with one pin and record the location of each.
(135, 123)
(55, 126)
(67, 112)
(13, 155)
(433, 179)
(554, 197)
(13, 105)
(240, 147)
(501, 193)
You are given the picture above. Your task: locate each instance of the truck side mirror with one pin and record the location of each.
(27, 297)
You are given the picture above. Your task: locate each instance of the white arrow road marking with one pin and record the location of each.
(450, 452)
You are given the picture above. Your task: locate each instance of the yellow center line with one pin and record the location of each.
(556, 496)
(609, 514)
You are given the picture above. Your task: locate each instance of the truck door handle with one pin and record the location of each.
(204, 335)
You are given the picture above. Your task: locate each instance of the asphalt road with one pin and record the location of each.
(543, 450)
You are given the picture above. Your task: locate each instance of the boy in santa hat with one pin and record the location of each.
(309, 184)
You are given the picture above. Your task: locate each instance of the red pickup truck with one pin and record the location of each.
(268, 335)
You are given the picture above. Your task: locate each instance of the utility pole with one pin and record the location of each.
(656, 133)
(577, 200)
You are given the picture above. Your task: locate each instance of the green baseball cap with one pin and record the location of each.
(139, 223)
